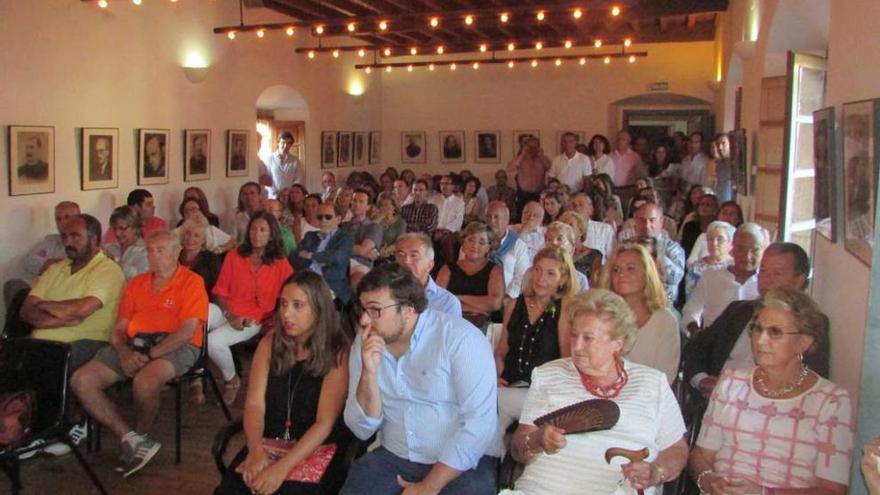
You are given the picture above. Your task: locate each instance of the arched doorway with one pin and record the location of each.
(281, 108)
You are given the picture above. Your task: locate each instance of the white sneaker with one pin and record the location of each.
(31, 453)
(78, 433)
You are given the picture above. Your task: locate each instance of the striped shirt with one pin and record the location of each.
(649, 417)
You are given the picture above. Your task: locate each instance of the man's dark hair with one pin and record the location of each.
(800, 257)
(422, 182)
(286, 135)
(93, 227)
(698, 133)
(404, 287)
(367, 191)
(137, 197)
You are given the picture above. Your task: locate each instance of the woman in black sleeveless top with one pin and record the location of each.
(477, 282)
(530, 336)
(301, 365)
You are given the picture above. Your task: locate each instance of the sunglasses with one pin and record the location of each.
(325, 217)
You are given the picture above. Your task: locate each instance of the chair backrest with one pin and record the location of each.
(42, 367)
(203, 351)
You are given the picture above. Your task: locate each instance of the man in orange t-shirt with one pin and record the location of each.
(157, 337)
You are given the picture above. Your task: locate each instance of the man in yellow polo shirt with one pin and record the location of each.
(75, 300)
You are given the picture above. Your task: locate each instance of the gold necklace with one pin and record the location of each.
(798, 381)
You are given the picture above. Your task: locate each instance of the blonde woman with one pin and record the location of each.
(632, 274)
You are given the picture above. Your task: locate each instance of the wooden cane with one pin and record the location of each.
(631, 455)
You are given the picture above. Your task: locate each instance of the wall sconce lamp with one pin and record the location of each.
(195, 68)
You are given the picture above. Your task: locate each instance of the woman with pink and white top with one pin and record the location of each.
(777, 428)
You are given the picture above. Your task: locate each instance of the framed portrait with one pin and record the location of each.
(827, 182)
(452, 147)
(196, 154)
(153, 156)
(237, 141)
(31, 160)
(413, 147)
(99, 165)
(860, 169)
(739, 157)
(580, 135)
(345, 149)
(520, 138)
(375, 147)
(361, 149)
(328, 149)
(488, 146)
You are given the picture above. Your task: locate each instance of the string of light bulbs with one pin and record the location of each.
(511, 63)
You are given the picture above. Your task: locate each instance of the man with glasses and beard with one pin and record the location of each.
(425, 379)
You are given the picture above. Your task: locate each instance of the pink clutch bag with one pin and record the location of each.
(310, 470)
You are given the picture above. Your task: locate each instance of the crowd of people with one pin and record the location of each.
(447, 317)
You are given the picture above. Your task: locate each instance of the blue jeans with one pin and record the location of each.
(376, 473)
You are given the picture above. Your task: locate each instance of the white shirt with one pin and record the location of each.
(534, 240)
(214, 237)
(450, 212)
(604, 165)
(649, 417)
(693, 168)
(699, 251)
(285, 171)
(514, 264)
(658, 344)
(716, 289)
(571, 171)
(600, 236)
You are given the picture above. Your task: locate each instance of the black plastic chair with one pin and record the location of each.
(42, 367)
(199, 371)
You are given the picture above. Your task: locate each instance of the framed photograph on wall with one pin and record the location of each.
(827, 183)
(375, 147)
(237, 141)
(520, 138)
(31, 160)
(452, 147)
(860, 169)
(580, 135)
(345, 148)
(488, 146)
(328, 149)
(99, 164)
(153, 156)
(196, 154)
(361, 148)
(413, 147)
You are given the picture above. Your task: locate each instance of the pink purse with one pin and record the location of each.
(309, 470)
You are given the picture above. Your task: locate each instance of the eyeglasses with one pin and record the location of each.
(375, 313)
(324, 217)
(775, 333)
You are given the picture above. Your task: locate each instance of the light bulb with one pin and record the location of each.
(510, 64)
(388, 69)
(261, 33)
(583, 61)
(351, 27)
(311, 53)
(383, 25)
(409, 68)
(434, 22)
(510, 47)
(577, 14)
(534, 63)
(483, 48)
(607, 60)
(505, 17)
(387, 52)
(290, 31)
(632, 59)
(413, 51)
(476, 65)
(615, 11)
(319, 29)
(558, 62)
(103, 4)
(335, 53)
(361, 52)
(540, 15)
(231, 35)
(539, 45)
(627, 42)
(431, 67)
(469, 19)
(597, 43)
(440, 50)
(368, 70)
(136, 2)
(452, 66)
(568, 43)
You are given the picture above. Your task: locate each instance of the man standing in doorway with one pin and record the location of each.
(281, 169)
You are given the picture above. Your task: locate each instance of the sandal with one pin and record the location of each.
(230, 390)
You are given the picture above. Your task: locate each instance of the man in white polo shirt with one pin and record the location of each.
(571, 166)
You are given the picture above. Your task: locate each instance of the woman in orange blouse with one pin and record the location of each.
(245, 294)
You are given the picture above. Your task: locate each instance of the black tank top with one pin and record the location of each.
(462, 284)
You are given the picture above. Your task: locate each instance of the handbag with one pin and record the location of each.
(16, 415)
(309, 470)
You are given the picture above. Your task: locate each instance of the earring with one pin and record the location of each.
(801, 357)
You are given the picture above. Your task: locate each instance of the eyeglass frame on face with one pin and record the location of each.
(324, 217)
(774, 336)
(378, 311)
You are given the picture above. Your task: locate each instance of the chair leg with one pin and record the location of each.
(13, 471)
(178, 413)
(88, 469)
(218, 394)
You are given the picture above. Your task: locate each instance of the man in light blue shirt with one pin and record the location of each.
(427, 381)
(416, 252)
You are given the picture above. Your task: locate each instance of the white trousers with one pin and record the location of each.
(221, 336)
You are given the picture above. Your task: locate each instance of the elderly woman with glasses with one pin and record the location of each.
(778, 427)
(602, 329)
